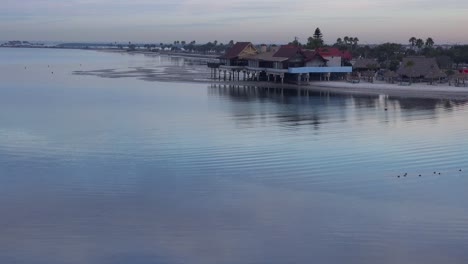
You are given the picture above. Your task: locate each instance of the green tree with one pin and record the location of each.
(339, 42)
(412, 40)
(346, 40)
(318, 34)
(429, 42)
(419, 43)
(316, 41)
(295, 42)
(355, 42)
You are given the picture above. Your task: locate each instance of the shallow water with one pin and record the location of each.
(99, 170)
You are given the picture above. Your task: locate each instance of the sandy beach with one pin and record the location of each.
(193, 70)
(420, 90)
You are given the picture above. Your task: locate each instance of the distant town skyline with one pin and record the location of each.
(274, 21)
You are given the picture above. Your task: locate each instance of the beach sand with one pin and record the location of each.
(191, 72)
(419, 90)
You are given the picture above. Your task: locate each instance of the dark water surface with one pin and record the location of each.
(96, 170)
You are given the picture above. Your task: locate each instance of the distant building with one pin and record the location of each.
(279, 63)
(365, 65)
(335, 56)
(420, 68)
(237, 55)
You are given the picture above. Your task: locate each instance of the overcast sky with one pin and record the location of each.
(273, 21)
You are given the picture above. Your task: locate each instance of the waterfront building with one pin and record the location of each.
(288, 62)
(335, 56)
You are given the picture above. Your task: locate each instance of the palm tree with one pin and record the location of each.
(355, 41)
(429, 42)
(346, 40)
(412, 40)
(419, 43)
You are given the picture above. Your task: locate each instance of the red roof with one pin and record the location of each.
(334, 52)
(310, 55)
(235, 50)
(287, 51)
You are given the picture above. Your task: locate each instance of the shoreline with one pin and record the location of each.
(416, 90)
(172, 54)
(341, 87)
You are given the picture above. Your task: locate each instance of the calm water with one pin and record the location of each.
(119, 170)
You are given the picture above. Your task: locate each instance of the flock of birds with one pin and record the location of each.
(420, 175)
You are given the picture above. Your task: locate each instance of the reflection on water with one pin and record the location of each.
(106, 170)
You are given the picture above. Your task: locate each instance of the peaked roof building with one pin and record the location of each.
(419, 67)
(335, 52)
(240, 49)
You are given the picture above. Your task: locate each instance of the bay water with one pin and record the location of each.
(123, 170)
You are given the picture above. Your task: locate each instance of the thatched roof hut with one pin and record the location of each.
(366, 64)
(435, 74)
(418, 67)
(390, 74)
(460, 76)
(368, 74)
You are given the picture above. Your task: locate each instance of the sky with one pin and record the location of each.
(259, 21)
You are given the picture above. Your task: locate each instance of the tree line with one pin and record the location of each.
(389, 55)
(211, 46)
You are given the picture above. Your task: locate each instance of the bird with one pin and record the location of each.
(386, 109)
(439, 173)
(419, 175)
(406, 174)
(434, 172)
(460, 170)
(398, 176)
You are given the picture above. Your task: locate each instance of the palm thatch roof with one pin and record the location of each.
(366, 64)
(368, 74)
(418, 67)
(460, 76)
(390, 74)
(435, 74)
